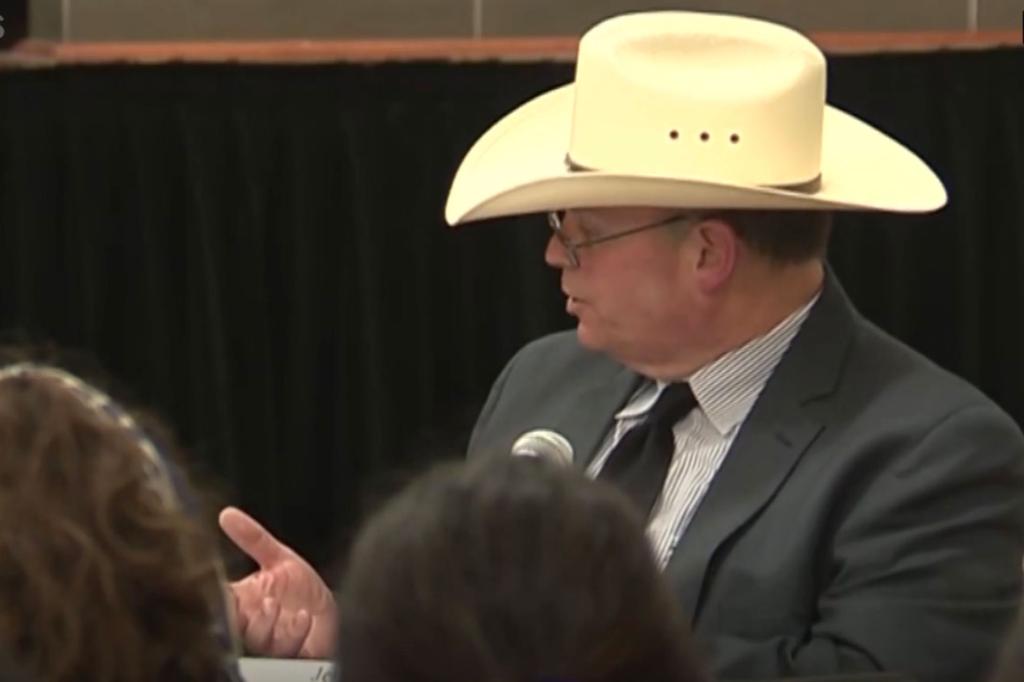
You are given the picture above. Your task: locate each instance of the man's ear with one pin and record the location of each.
(718, 248)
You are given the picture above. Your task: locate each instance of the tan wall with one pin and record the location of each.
(92, 20)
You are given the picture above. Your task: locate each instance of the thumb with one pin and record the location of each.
(252, 538)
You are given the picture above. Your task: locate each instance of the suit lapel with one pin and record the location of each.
(596, 407)
(772, 439)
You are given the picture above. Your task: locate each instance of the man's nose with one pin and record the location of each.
(555, 253)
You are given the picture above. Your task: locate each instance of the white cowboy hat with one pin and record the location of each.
(689, 110)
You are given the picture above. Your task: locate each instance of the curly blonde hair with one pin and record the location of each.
(104, 575)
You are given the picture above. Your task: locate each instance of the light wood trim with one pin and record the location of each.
(45, 53)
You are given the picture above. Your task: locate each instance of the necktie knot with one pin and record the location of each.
(674, 402)
(640, 461)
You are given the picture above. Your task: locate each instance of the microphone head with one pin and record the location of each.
(546, 444)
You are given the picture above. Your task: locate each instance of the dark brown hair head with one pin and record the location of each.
(509, 570)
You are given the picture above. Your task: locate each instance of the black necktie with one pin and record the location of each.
(639, 463)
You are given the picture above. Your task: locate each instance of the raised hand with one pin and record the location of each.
(284, 608)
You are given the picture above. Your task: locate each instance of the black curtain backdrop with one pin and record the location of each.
(260, 254)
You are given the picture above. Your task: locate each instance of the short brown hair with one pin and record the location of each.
(101, 579)
(510, 570)
(784, 237)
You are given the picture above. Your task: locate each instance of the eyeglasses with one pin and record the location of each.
(572, 246)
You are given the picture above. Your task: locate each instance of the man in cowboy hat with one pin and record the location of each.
(823, 499)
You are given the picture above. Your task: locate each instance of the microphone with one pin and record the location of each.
(545, 444)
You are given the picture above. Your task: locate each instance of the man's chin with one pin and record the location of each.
(587, 338)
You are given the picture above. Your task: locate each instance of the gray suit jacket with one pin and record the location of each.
(869, 515)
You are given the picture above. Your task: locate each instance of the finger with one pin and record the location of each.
(259, 634)
(322, 638)
(250, 594)
(252, 538)
(290, 633)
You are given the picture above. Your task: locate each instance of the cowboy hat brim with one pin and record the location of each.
(519, 166)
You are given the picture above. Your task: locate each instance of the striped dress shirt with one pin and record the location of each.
(726, 390)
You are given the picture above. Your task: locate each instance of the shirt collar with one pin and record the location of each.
(727, 387)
